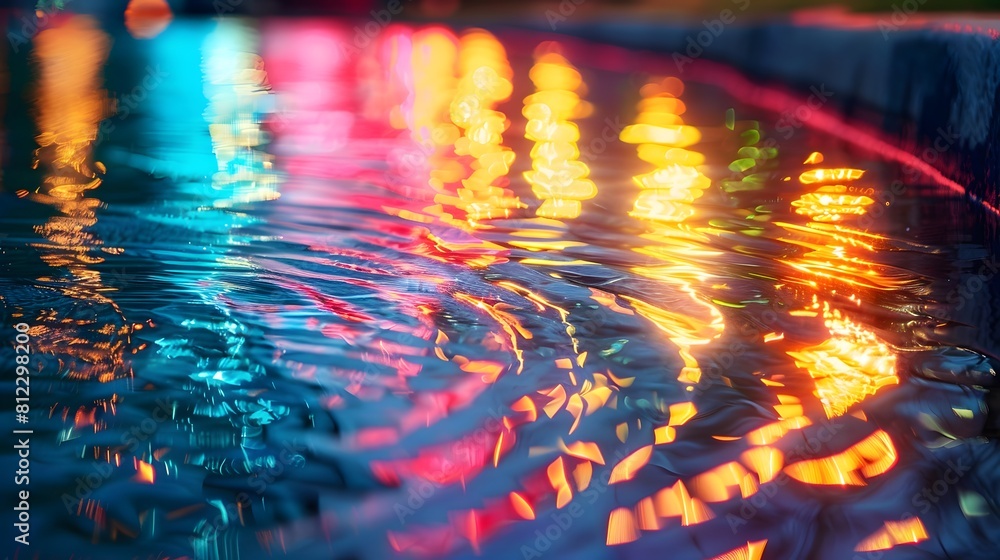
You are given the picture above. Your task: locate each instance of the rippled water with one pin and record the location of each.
(292, 297)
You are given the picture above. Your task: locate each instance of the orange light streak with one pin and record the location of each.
(893, 533)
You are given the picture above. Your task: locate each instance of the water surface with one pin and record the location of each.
(456, 293)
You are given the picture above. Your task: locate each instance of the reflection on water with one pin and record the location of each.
(70, 58)
(557, 176)
(666, 200)
(894, 533)
(400, 317)
(847, 367)
(237, 90)
(485, 82)
(662, 138)
(854, 362)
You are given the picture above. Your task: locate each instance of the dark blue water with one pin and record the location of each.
(287, 295)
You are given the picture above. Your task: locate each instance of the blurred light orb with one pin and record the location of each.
(146, 19)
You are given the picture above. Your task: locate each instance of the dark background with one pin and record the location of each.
(507, 8)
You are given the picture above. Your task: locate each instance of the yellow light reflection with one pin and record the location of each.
(665, 199)
(144, 472)
(485, 83)
(828, 175)
(771, 433)
(831, 203)
(508, 322)
(662, 139)
(685, 329)
(765, 461)
(680, 413)
(70, 59)
(434, 63)
(543, 304)
(89, 336)
(521, 506)
(623, 527)
(629, 466)
(835, 249)
(751, 551)
(434, 66)
(721, 483)
(814, 157)
(557, 477)
(70, 105)
(557, 177)
(892, 533)
(869, 458)
(849, 366)
(443, 91)
(676, 501)
(854, 362)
